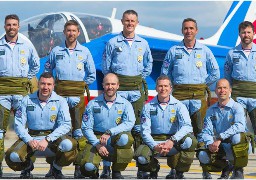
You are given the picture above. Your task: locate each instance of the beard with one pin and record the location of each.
(12, 33)
(247, 41)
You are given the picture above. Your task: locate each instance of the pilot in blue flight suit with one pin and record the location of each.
(41, 123)
(166, 131)
(107, 124)
(129, 56)
(226, 143)
(240, 70)
(19, 63)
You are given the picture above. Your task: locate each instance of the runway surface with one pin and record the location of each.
(41, 167)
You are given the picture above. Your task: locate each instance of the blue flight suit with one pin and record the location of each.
(172, 121)
(33, 120)
(78, 66)
(227, 123)
(199, 67)
(119, 119)
(135, 60)
(120, 58)
(242, 68)
(21, 61)
(98, 117)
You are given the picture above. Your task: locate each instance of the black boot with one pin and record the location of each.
(26, 173)
(171, 175)
(77, 173)
(142, 175)
(49, 175)
(106, 173)
(57, 173)
(117, 175)
(226, 171)
(180, 175)
(238, 173)
(154, 174)
(95, 175)
(1, 170)
(207, 175)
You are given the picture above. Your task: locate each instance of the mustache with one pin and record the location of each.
(12, 29)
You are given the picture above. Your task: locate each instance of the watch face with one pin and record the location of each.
(48, 138)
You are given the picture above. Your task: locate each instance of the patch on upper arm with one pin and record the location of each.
(18, 113)
(85, 116)
(143, 119)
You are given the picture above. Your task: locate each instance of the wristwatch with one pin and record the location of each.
(48, 139)
(108, 132)
(173, 139)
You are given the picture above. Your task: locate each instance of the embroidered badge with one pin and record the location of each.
(173, 119)
(140, 57)
(199, 64)
(118, 120)
(80, 66)
(23, 60)
(80, 57)
(22, 51)
(85, 117)
(53, 117)
(143, 119)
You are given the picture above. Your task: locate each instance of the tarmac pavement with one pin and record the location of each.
(41, 167)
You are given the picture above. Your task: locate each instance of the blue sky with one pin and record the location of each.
(162, 15)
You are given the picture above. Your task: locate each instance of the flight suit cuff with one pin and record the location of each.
(153, 145)
(95, 144)
(26, 140)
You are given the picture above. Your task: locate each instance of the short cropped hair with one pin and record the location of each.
(130, 11)
(46, 75)
(244, 25)
(71, 22)
(163, 77)
(12, 16)
(189, 19)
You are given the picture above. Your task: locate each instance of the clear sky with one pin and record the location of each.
(162, 15)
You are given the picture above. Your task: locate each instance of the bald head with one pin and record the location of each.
(110, 85)
(223, 90)
(112, 77)
(223, 81)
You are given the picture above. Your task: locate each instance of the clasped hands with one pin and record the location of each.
(39, 145)
(164, 148)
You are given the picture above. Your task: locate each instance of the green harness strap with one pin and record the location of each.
(71, 88)
(129, 83)
(243, 89)
(14, 85)
(191, 91)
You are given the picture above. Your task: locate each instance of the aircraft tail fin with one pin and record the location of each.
(228, 35)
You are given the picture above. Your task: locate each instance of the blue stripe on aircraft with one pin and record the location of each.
(230, 33)
(231, 9)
